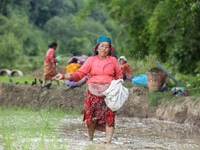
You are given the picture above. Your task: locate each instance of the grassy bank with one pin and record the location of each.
(22, 80)
(141, 66)
(33, 128)
(17, 79)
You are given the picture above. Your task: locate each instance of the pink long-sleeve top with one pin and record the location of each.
(101, 71)
(50, 56)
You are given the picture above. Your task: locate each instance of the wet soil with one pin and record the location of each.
(180, 111)
(133, 133)
(35, 96)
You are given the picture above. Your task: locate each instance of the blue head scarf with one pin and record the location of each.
(103, 39)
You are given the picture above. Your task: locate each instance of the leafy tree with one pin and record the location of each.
(10, 51)
(28, 36)
(169, 29)
(65, 30)
(91, 25)
(34, 24)
(62, 30)
(40, 11)
(111, 27)
(160, 26)
(98, 14)
(175, 34)
(78, 5)
(61, 8)
(91, 36)
(79, 46)
(132, 18)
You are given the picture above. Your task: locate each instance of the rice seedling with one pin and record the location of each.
(33, 128)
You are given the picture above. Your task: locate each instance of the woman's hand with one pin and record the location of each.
(61, 77)
(58, 77)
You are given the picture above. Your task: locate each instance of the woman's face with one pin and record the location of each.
(103, 50)
(54, 47)
(121, 61)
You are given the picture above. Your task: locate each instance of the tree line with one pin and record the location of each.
(27, 27)
(170, 29)
(167, 28)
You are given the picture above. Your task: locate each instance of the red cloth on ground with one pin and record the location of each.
(95, 108)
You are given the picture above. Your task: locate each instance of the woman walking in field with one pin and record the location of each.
(102, 68)
(50, 64)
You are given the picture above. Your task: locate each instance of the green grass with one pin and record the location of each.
(156, 98)
(128, 84)
(64, 61)
(29, 79)
(33, 128)
(17, 79)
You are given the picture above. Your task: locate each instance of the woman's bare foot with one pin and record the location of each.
(91, 129)
(109, 134)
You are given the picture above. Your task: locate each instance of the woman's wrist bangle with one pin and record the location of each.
(63, 76)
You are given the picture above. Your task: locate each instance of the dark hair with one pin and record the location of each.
(96, 52)
(74, 60)
(53, 44)
(116, 56)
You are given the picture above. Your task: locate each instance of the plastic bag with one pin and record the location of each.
(116, 95)
(140, 80)
(81, 59)
(58, 59)
(178, 88)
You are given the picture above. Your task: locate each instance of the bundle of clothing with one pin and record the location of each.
(179, 91)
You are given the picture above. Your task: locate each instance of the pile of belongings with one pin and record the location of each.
(179, 91)
(81, 59)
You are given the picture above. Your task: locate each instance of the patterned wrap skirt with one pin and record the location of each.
(95, 108)
(49, 71)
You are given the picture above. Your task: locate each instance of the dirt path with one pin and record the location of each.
(186, 111)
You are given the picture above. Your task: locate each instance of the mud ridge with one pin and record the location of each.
(185, 111)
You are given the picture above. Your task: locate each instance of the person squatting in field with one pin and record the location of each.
(72, 67)
(126, 68)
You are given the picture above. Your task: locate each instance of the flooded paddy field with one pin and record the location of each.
(135, 133)
(50, 129)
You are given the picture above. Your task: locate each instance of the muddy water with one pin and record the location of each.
(133, 133)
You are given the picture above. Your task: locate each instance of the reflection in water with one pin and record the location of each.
(134, 133)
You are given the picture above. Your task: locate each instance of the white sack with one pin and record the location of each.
(116, 95)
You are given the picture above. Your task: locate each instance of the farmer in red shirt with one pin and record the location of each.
(102, 68)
